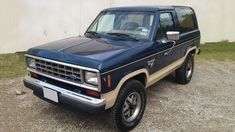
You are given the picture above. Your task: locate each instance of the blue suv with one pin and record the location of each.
(124, 51)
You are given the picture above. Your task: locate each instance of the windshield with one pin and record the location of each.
(132, 25)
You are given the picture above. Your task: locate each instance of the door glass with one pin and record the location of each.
(165, 24)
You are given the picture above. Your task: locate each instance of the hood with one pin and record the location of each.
(99, 49)
(82, 51)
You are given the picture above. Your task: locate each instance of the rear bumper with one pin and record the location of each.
(79, 101)
(198, 51)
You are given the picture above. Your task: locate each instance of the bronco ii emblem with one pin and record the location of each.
(151, 62)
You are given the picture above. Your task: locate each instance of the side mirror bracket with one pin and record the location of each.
(172, 36)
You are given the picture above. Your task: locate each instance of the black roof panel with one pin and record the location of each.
(142, 8)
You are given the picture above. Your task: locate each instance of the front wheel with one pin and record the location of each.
(185, 72)
(129, 106)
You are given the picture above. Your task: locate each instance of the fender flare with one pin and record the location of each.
(111, 96)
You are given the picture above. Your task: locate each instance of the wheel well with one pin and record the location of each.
(193, 52)
(141, 78)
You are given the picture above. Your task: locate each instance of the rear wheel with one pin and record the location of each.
(129, 106)
(185, 72)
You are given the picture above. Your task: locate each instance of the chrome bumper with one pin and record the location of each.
(85, 103)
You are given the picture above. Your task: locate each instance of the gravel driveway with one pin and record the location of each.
(206, 104)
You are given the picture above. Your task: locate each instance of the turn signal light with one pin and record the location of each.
(34, 75)
(92, 93)
(109, 80)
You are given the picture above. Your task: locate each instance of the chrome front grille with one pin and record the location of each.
(59, 71)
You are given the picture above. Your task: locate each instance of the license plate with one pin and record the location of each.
(50, 94)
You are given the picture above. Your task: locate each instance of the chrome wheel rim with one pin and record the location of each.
(131, 107)
(189, 69)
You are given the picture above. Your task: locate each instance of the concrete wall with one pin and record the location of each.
(27, 23)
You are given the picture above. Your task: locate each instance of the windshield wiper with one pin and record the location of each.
(122, 35)
(93, 33)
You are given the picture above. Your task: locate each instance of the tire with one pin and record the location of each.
(185, 72)
(126, 115)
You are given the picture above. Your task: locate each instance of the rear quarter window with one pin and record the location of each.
(186, 18)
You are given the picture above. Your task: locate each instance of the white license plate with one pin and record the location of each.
(50, 94)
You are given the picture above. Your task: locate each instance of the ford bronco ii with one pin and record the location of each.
(124, 51)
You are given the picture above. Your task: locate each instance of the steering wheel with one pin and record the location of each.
(142, 29)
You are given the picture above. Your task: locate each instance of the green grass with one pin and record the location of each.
(13, 65)
(221, 51)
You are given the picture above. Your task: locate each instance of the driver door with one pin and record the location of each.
(164, 56)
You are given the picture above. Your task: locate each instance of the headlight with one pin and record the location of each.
(91, 78)
(30, 62)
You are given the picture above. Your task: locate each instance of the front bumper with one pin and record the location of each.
(79, 101)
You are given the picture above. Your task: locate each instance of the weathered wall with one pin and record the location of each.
(27, 23)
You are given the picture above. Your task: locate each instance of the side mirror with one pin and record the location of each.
(173, 35)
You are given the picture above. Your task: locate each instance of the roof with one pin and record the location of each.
(142, 8)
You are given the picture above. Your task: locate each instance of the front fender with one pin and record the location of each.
(111, 96)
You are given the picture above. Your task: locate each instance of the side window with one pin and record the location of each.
(186, 19)
(166, 23)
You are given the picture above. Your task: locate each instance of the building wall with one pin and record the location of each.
(28, 23)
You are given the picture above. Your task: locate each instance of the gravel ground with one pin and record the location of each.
(206, 104)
